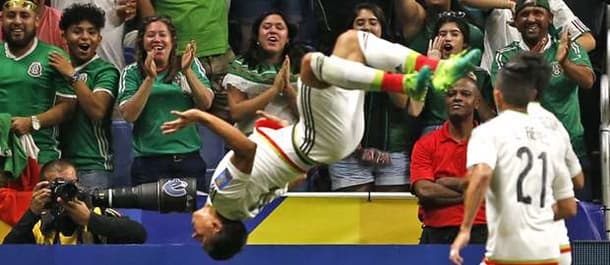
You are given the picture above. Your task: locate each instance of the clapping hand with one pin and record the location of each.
(189, 55)
(564, 47)
(150, 67)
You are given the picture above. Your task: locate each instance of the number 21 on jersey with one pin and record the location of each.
(525, 153)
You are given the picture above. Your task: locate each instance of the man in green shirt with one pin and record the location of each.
(85, 139)
(31, 90)
(571, 68)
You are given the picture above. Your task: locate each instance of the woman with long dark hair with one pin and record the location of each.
(262, 79)
(161, 81)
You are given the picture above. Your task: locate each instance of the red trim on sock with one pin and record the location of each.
(422, 61)
(392, 82)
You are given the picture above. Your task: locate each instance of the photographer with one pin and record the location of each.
(53, 220)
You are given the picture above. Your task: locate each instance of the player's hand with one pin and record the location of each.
(21, 125)
(434, 47)
(77, 210)
(40, 197)
(126, 9)
(61, 64)
(184, 119)
(282, 122)
(460, 242)
(564, 47)
(150, 67)
(189, 55)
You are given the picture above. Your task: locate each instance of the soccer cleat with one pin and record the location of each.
(416, 84)
(449, 71)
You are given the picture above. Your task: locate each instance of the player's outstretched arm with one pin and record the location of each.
(479, 177)
(239, 143)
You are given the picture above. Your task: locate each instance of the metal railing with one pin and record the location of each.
(605, 131)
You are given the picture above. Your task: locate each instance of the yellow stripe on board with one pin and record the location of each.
(4, 230)
(340, 221)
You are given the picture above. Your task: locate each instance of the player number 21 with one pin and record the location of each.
(525, 151)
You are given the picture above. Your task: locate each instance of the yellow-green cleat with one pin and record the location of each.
(450, 70)
(416, 84)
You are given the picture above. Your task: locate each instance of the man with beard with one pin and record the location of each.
(48, 31)
(570, 69)
(438, 169)
(85, 139)
(32, 91)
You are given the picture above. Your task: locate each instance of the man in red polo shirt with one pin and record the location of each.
(438, 169)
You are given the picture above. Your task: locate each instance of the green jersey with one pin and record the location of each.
(28, 86)
(386, 126)
(561, 96)
(164, 97)
(84, 142)
(206, 22)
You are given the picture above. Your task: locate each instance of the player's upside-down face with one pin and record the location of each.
(206, 225)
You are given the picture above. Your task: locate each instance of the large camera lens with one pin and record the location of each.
(165, 195)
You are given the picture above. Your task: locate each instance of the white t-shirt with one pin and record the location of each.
(111, 47)
(529, 175)
(499, 34)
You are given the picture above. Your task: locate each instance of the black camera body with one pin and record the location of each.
(66, 190)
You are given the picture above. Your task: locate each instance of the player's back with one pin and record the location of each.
(519, 201)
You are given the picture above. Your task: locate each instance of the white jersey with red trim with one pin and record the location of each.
(529, 175)
(329, 129)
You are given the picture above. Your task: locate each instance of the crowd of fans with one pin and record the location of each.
(68, 64)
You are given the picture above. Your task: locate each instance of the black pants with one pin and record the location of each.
(147, 169)
(446, 235)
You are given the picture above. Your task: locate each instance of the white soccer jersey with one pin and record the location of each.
(330, 128)
(527, 179)
(548, 120)
(499, 34)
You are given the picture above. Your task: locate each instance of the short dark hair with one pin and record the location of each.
(229, 241)
(55, 165)
(77, 13)
(523, 73)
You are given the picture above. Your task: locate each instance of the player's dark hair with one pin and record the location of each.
(55, 166)
(229, 241)
(77, 13)
(522, 74)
